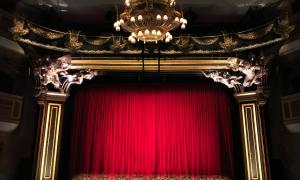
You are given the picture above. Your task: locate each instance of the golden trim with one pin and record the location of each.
(246, 94)
(150, 64)
(56, 94)
(45, 135)
(57, 129)
(253, 121)
(138, 52)
(150, 68)
(44, 33)
(245, 135)
(147, 62)
(46, 141)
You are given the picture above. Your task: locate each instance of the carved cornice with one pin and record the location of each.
(74, 42)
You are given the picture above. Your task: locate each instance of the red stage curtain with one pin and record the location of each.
(153, 129)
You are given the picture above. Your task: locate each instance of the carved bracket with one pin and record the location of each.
(242, 74)
(57, 72)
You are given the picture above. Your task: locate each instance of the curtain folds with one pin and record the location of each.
(152, 129)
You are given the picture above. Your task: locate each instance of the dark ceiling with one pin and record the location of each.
(96, 17)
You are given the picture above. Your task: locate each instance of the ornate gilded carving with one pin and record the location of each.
(190, 44)
(135, 52)
(55, 72)
(255, 34)
(184, 44)
(253, 73)
(44, 33)
(205, 40)
(18, 28)
(284, 28)
(98, 41)
(228, 43)
(73, 41)
(119, 43)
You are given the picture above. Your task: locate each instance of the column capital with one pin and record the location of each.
(252, 96)
(46, 96)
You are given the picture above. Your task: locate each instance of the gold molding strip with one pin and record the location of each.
(49, 149)
(51, 108)
(150, 64)
(252, 144)
(150, 68)
(256, 161)
(138, 52)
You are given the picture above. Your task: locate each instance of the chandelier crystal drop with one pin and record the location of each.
(150, 20)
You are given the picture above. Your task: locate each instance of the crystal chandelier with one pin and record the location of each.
(150, 20)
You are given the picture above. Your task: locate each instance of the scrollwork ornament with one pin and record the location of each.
(55, 72)
(253, 73)
(231, 81)
(244, 74)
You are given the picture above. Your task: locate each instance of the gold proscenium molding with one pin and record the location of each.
(51, 112)
(164, 65)
(254, 148)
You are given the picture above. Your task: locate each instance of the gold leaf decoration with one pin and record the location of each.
(18, 28)
(73, 41)
(184, 44)
(255, 34)
(228, 44)
(118, 44)
(205, 40)
(232, 61)
(44, 33)
(97, 41)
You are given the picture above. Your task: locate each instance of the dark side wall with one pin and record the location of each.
(17, 147)
(284, 147)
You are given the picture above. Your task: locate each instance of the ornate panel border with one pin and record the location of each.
(256, 166)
